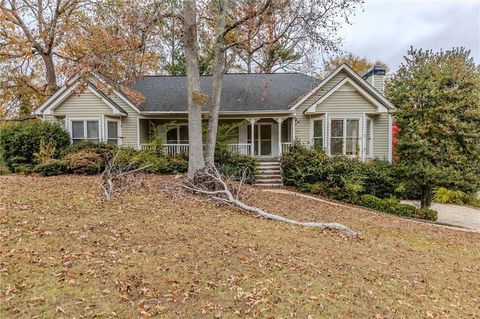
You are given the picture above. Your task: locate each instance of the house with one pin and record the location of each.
(345, 114)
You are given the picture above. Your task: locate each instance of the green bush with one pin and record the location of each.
(338, 177)
(392, 206)
(234, 165)
(23, 140)
(23, 168)
(426, 213)
(51, 167)
(84, 162)
(102, 149)
(160, 164)
(443, 195)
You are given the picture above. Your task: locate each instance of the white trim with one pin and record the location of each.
(85, 120)
(138, 133)
(364, 137)
(58, 100)
(352, 74)
(390, 136)
(324, 81)
(119, 94)
(380, 107)
(311, 129)
(104, 100)
(345, 119)
(119, 130)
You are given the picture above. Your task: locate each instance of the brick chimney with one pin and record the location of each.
(375, 76)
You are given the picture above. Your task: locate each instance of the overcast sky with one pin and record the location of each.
(385, 29)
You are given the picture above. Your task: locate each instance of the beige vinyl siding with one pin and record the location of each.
(302, 127)
(381, 135)
(346, 102)
(84, 104)
(88, 105)
(129, 123)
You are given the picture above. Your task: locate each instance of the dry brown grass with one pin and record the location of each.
(156, 253)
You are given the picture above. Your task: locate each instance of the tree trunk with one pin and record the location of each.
(195, 153)
(426, 196)
(50, 73)
(218, 71)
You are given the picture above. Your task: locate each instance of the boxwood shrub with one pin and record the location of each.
(372, 184)
(20, 141)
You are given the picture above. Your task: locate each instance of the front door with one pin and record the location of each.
(262, 139)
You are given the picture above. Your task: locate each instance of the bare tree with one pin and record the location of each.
(36, 28)
(196, 99)
(209, 182)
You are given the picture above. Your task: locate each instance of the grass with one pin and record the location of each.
(158, 253)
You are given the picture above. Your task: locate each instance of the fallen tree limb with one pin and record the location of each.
(209, 182)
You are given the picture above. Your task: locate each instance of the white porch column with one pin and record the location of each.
(252, 135)
(279, 121)
(294, 120)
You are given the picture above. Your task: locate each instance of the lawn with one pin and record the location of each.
(158, 252)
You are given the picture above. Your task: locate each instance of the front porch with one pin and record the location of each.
(271, 136)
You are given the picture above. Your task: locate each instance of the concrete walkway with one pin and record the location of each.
(455, 215)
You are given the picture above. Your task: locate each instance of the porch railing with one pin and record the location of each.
(243, 149)
(174, 149)
(286, 146)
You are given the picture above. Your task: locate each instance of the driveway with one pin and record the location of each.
(456, 215)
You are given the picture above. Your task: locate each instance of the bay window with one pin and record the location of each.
(85, 130)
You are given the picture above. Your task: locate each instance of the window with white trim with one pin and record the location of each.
(344, 137)
(112, 132)
(178, 134)
(368, 137)
(85, 130)
(318, 134)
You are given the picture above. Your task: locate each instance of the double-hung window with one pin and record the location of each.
(344, 137)
(318, 134)
(112, 132)
(178, 135)
(85, 130)
(368, 137)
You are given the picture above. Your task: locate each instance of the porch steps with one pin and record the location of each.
(268, 174)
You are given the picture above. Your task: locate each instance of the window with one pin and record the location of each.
(368, 137)
(85, 130)
(178, 135)
(112, 132)
(352, 139)
(344, 137)
(318, 134)
(337, 137)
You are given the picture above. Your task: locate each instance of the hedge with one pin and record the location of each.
(373, 184)
(20, 142)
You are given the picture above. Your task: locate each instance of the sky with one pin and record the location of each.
(385, 29)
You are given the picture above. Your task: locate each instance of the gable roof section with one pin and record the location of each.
(367, 88)
(338, 86)
(67, 90)
(240, 93)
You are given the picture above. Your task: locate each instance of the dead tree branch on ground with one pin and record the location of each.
(211, 183)
(120, 177)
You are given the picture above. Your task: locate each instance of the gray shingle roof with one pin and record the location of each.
(241, 92)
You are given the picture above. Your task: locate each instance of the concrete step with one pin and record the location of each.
(270, 185)
(269, 172)
(276, 176)
(268, 181)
